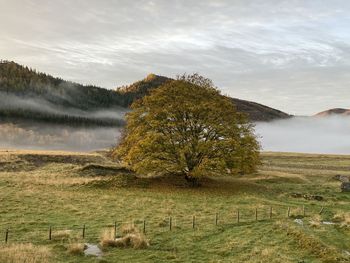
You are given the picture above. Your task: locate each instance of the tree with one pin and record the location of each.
(187, 127)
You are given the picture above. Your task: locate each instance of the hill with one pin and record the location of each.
(26, 94)
(25, 82)
(255, 111)
(335, 111)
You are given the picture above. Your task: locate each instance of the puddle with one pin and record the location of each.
(299, 221)
(92, 250)
(328, 223)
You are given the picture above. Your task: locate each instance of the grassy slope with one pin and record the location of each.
(39, 189)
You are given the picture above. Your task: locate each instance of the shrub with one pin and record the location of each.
(76, 248)
(131, 238)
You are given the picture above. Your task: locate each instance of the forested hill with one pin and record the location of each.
(28, 94)
(25, 82)
(255, 111)
(141, 88)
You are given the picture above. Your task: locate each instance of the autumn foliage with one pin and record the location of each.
(186, 127)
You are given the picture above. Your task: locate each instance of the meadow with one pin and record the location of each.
(64, 191)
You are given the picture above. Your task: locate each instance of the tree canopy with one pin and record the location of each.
(187, 127)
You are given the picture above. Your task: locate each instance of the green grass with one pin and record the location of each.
(42, 189)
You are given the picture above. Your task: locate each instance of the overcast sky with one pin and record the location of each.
(292, 55)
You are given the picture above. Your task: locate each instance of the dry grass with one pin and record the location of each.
(42, 152)
(343, 219)
(28, 253)
(61, 234)
(264, 255)
(128, 229)
(316, 221)
(76, 248)
(131, 238)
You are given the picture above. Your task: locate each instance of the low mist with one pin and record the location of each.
(13, 102)
(30, 133)
(329, 135)
(56, 137)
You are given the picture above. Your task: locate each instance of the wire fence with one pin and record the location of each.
(169, 223)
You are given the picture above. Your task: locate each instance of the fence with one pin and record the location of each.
(173, 223)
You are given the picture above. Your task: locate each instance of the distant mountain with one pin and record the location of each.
(335, 111)
(259, 112)
(26, 94)
(255, 111)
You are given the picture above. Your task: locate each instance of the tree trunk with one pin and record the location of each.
(193, 181)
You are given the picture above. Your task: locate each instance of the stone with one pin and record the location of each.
(345, 187)
(307, 196)
(296, 195)
(342, 178)
(299, 221)
(92, 250)
(317, 197)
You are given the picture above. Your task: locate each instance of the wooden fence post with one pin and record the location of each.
(303, 210)
(321, 211)
(170, 223)
(216, 219)
(115, 229)
(144, 226)
(288, 212)
(256, 214)
(84, 231)
(193, 222)
(50, 233)
(6, 235)
(237, 215)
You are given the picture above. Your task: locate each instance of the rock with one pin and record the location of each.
(92, 250)
(345, 187)
(307, 196)
(318, 198)
(313, 197)
(342, 178)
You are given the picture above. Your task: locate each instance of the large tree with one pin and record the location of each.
(187, 127)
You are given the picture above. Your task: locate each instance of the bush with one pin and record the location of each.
(131, 238)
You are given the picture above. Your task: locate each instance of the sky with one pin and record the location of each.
(291, 55)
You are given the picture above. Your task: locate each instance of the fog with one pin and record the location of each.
(306, 134)
(23, 133)
(13, 102)
(39, 136)
(300, 134)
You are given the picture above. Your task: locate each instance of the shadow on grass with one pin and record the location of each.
(215, 185)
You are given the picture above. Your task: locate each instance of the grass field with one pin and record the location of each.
(64, 191)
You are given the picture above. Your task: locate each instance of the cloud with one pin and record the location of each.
(258, 50)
